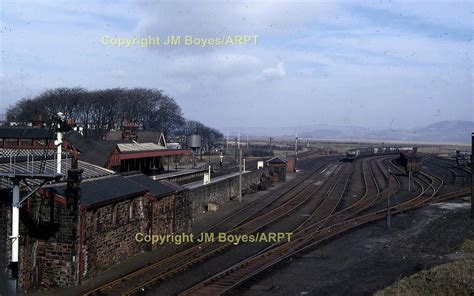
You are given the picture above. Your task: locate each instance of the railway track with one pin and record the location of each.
(321, 225)
(250, 166)
(459, 174)
(243, 271)
(332, 198)
(372, 193)
(152, 274)
(253, 209)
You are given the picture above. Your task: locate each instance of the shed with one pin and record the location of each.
(278, 169)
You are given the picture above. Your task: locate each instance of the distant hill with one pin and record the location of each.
(447, 131)
(443, 131)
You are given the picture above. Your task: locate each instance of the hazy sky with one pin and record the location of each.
(368, 63)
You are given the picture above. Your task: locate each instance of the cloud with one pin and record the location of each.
(277, 72)
(330, 57)
(219, 64)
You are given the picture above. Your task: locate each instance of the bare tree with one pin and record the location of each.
(103, 110)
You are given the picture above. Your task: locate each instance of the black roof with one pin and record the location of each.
(95, 152)
(155, 188)
(276, 160)
(25, 133)
(104, 190)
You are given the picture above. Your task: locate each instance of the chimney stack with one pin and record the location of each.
(74, 178)
(129, 130)
(38, 121)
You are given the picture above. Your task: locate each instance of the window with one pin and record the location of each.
(131, 211)
(114, 214)
(11, 142)
(25, 142)
(95, 217)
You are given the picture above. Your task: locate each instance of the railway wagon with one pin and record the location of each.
(410, 161)
(363, 152)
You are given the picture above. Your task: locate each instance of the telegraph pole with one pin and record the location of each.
(409, 181)
(240, 173)
(296, 148)
(472, 178)
(227, 143)
(388, 198)
(235, 150)
(270, 146)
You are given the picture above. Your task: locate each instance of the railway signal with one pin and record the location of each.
(240, 173)
(59, 126)
(388, 198)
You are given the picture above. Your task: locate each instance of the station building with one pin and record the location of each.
(74, 230)
(19, 141)
(124, 155)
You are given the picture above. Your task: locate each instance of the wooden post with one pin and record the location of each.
(472, 179)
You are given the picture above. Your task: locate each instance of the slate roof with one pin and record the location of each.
(25, 133)
(276, 160)
(138, 147)
(95, 152)
(104, 190)
(101, 191)
(155, 188)
(98, 152)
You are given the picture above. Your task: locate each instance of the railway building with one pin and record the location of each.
(19, 140)
(76, 229)
(124, 155)
(87, 221)
(277, 169)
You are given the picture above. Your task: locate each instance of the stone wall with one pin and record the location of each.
(53, 235)
(48, 255)
(183, 217)
(5, 229)
(224, 190)
(109, 234)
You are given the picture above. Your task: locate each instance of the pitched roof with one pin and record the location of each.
(138, 147)
(108, 189)
(95, 152)
(103, 190)
(155, 188)
(276, 160)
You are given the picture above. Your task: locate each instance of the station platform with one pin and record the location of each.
(213, 180)
(180, 175)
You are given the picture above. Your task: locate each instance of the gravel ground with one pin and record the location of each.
(372, 257)
(237, 253)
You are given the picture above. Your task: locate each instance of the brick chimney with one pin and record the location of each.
(38, 121)
(73, 219)
(73, 187)
(129, 130)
